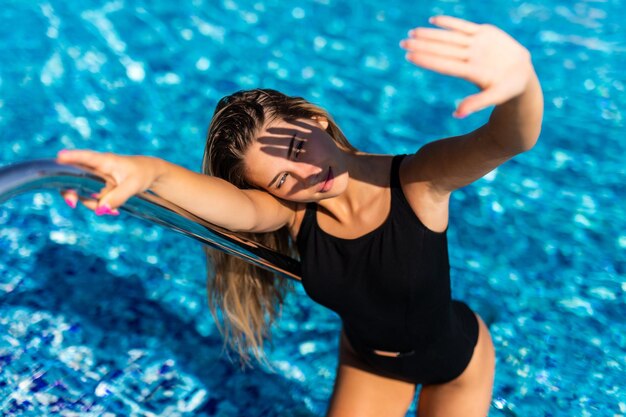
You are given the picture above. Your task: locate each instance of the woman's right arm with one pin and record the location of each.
(213, 199)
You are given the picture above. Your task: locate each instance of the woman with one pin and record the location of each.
(370, 229)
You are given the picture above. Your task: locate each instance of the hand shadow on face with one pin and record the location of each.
(281, 145)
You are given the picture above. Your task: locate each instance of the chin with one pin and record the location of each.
(336, 191)
(340, 185)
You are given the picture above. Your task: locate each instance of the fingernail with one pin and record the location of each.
(410, 33)
(106, 209)
(459, 115)
(63, 151)
(431, 20)
(95, 195)
(70, 202)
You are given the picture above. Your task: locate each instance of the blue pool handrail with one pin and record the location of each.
(39, 174)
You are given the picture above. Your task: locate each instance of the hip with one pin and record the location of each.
(440, 360)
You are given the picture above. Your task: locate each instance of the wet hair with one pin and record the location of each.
(248, 297)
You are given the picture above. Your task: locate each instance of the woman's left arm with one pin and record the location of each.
(503, 71)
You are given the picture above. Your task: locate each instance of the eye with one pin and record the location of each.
(299, 147)
(282, 180)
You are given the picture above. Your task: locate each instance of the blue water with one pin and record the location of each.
(108, 317)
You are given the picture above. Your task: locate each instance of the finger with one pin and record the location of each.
(454, 23)
(99, 206)
(90, 159)
(70, 197)
(97, 197)
(436, 48)
(439, 64)
(90, 203)
(476, 102)
(107, 188)
(118, 195)
(440, 35)
(106, 209)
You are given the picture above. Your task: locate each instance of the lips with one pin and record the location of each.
(328, 181)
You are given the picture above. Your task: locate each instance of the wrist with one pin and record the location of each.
(156, 168)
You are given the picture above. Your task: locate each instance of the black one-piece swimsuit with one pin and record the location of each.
(391, 288)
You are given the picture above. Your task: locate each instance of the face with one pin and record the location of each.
(297, 160)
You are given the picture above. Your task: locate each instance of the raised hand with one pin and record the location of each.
(125, 177)
(480, 53)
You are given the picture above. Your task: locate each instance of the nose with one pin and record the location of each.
(306, 174)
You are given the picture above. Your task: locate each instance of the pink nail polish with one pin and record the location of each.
(70, 203)
(95, 195)
(63, 151)
(102, 210)
(106, 209)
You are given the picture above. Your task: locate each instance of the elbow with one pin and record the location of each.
(519, 148)
(532, 139)
(524, 141)
(511, 147)
(529, 143)
(532, 132)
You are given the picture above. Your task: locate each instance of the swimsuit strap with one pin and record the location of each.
(311, 208)
(307, 221)
(395, 171)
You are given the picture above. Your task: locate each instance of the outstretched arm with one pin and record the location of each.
(502, 69)
(213, 199)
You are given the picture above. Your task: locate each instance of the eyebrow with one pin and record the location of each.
(289, 151)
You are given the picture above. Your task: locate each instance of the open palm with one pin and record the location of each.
(479, 53)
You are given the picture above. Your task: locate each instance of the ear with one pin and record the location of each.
(321, 120)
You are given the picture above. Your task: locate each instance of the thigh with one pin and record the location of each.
(469, 395)
(360, 392)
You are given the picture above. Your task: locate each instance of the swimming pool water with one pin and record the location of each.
(107, 316)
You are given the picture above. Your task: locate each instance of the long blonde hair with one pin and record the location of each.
(248, 297)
